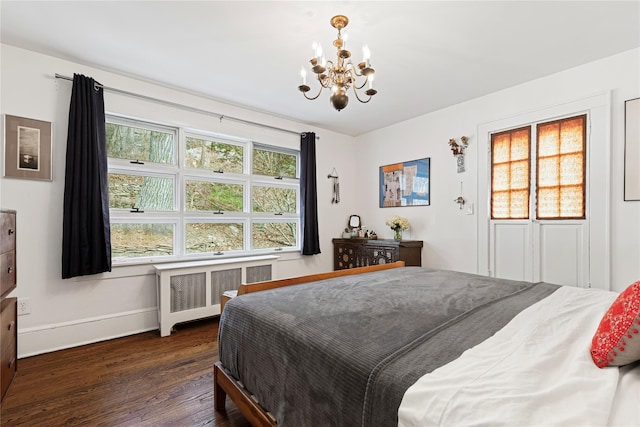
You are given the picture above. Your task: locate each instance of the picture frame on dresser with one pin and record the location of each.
(405, 184)
(27, 148)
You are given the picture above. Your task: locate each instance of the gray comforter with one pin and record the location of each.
(342, 352)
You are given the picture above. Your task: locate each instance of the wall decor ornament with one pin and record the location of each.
(27, 148)
(458, 151)
(405, 184)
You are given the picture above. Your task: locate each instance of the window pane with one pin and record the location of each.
(571, 169)
(519, 204)
(141, 240)
(548, 140)
(273, 163)
(520, 145)
(510, 174)
(214, 196)
(142, 192)
(274, 199)
(548, 202)
(500, 205)
(572, 135)
(548, 171)
(213, 155)
(213, 237)
(520, 175)
(273, 235)
(501, 148)
(571, 202)
(133, 143)
(561, 171)
(500, 177)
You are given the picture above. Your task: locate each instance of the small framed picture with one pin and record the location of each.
(27, 148)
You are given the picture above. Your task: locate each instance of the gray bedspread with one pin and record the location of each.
(342, 352)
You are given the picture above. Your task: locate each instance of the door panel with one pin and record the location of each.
(511, 246)
(562, 253)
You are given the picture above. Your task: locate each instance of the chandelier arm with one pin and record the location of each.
(358, 98)
(355, 71)
(326, 83)
(362, 85)
(315, 97)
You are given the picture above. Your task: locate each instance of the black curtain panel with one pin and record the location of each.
(86, 232)
(308, 195)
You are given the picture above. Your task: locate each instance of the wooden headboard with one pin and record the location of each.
(247, 288)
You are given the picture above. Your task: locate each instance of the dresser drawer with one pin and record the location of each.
(7, 231)
(7, 272)
(8, 343)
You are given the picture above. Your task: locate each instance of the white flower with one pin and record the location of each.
(398, 223)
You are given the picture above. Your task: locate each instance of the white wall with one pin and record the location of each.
(71, 312)
(450, 236)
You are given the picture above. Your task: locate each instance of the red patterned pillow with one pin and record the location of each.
(617, 341)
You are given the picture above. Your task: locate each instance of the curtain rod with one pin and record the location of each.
(186, 107)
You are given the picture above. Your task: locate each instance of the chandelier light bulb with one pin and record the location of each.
(366, 55)
(303, 73)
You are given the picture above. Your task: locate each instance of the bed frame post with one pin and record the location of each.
(219, 395)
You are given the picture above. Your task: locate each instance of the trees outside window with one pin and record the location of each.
(176, 194)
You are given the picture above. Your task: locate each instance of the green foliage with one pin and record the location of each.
(212, 155)
(273, 163)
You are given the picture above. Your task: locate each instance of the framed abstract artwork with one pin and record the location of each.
(27, 148)
(405, 184)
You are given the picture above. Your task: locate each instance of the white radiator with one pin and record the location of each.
(191, 290)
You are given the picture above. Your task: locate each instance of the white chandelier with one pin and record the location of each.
(341, 75)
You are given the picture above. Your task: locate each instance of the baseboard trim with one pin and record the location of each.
(59, 336)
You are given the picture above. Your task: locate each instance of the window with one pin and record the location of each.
(510, 174)
(561, 169)
(177, 193)
(560, 175)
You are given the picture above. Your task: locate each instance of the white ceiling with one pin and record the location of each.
(428, 55)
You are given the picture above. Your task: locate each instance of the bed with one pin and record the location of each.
(410, 346)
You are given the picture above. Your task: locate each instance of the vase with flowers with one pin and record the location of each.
(398, 224)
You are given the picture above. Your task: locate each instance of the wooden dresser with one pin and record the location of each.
(8, 306)
(350, 253)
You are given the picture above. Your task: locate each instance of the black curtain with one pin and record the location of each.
(308, 195)
(86, 232)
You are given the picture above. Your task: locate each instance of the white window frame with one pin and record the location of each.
(181, 173)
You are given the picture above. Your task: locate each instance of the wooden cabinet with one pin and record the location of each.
(8, 343)
(7, 252)
(350, 253)
(8, 306)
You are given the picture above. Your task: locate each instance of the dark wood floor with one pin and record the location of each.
(141, 380)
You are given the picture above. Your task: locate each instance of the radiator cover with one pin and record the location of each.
(192, 290)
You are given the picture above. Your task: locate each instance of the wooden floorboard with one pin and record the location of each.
(140, 380)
